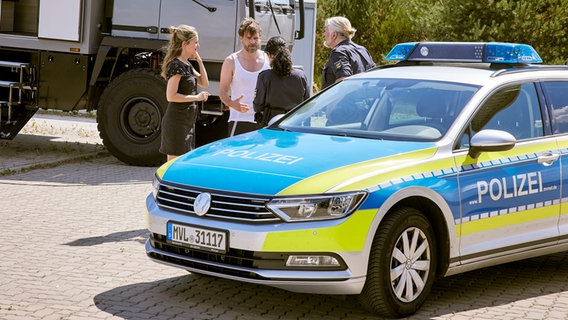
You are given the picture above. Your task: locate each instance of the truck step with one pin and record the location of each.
(13, 64)
(8, 84)
(21, 116)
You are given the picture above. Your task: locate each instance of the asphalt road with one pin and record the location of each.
(72, 247)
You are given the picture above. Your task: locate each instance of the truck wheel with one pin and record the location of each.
(129, 116)
(402, 265)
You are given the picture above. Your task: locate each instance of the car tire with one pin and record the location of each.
(402, 265)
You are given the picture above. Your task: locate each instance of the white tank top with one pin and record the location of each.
(244, 83)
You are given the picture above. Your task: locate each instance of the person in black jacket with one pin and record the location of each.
(280, 88)
(346, 58)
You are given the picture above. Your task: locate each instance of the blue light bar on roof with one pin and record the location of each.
(493, 52)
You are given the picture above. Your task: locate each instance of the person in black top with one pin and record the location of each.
(280, 88)
(178, 124)
(346, 57)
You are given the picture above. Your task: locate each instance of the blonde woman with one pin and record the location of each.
(178, 124)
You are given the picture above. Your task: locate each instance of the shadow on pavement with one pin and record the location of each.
(139, 236)
(203, 297)
(100, 170)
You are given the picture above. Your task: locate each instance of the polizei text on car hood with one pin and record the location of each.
(269, 162)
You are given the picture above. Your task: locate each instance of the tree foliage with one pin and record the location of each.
(543, 24)
(381, 24)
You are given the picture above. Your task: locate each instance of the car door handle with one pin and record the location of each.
(547, 158)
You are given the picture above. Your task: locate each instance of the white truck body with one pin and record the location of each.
(105, 55)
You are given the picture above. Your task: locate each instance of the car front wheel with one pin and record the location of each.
(402, 265)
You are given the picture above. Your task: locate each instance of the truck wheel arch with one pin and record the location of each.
(129, 116)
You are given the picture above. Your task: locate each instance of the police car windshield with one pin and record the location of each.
(391, 109)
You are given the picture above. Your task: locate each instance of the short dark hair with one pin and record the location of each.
(251, 26)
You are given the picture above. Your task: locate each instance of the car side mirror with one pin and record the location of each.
(491, 140)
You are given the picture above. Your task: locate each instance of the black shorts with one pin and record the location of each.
(238, 127)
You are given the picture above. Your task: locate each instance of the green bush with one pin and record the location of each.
(542, 24)
(381, 24)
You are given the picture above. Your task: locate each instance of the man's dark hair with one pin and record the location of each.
(250, 26)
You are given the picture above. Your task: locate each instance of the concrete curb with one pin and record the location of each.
(49, 140)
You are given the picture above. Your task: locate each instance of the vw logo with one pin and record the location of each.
(202, 203)
(424, 51)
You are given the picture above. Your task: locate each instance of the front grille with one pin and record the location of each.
(224, 205)
(202, 260)
(235, 262)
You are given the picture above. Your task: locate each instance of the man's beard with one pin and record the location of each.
(251, 48)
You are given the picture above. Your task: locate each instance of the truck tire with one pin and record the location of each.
(130, 114)
(402, 265)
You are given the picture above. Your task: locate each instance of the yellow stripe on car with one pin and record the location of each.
(364, 171)
(347, 236)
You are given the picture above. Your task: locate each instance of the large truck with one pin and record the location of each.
(105, 55)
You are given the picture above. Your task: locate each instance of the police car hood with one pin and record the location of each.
(269, 162)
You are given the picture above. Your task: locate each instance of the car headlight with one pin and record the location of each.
(155, 186)
(317, 207)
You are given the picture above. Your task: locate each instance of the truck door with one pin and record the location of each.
(135, 18)
(215, 20)
(60, 19)
(509, 199)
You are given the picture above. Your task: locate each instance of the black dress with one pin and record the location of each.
(178, 124)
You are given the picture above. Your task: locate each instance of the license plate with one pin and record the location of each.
(197, 237)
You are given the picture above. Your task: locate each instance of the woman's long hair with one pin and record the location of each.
(281, 63)
(178, 35)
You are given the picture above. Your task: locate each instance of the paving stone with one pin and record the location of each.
(72, 247)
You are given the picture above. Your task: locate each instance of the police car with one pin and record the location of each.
(453, 158)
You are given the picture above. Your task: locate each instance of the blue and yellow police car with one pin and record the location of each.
(453, 158)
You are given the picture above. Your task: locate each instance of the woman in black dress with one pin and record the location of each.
(281, 87)
(178, 124)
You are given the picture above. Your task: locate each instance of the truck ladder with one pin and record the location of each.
(16, 85)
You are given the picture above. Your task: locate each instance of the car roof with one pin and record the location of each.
(459, 74)
(467, 73)
(475, 63)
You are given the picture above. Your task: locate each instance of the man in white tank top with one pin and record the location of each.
(238, 78)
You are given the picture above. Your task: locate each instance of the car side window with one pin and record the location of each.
(558, 99)
(514, 109)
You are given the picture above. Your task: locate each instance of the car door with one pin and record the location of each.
(510, 200)
(555, 92)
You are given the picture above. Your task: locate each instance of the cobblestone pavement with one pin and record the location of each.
(72, 247)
